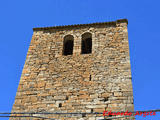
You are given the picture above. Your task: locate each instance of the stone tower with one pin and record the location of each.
(76, 68)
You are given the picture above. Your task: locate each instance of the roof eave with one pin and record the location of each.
(80, 25)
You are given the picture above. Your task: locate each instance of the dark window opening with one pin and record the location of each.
(68, 45)
(90, 77)
(66, 97)
(83, 115)
(105, 99)
(91, 110)
(86, 47)
(60, 104)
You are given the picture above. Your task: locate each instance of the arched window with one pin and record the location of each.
(68, 45)
(86, 44)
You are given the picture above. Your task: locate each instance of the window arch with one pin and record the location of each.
(86, 43)
(68, 45)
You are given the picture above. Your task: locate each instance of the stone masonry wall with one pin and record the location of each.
(52, 82)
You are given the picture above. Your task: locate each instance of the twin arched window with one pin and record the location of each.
(86, 44)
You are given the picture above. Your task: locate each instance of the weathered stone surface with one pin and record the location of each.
(52, 82)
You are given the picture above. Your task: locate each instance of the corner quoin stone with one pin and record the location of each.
(101, 80)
